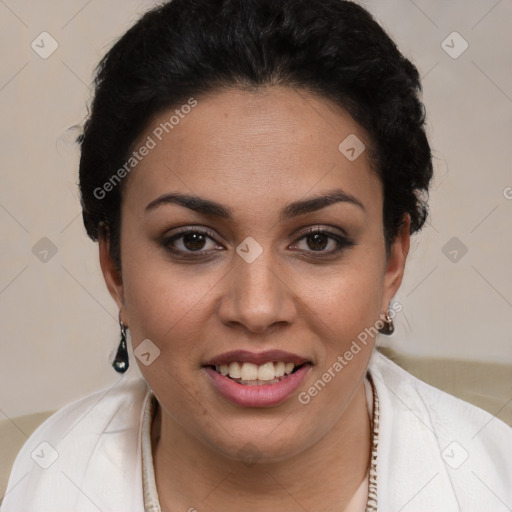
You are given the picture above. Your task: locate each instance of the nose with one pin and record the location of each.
(257, 296)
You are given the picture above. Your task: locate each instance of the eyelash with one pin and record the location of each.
(342, 241)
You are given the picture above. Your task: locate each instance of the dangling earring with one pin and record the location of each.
(121, 363)
(388, 327)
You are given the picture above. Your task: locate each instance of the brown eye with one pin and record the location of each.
(317, 241)
(190, 241)
(194, 241)
(323, 242)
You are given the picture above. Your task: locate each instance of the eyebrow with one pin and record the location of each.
(211, 208)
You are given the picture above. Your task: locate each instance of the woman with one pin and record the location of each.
(253, 171)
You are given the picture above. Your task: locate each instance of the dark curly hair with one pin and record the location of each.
(333, 48)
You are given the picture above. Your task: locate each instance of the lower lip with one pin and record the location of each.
(264, 395)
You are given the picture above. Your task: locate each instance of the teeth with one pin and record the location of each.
(234, 370)
(251, 372)
(266, 371)
(288, 368)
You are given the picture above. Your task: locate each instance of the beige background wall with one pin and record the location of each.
(58, 323)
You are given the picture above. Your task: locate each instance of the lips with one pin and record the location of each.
(256, 379)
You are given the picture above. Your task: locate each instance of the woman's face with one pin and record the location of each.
(254, 279)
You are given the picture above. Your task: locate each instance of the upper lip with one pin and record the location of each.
(258, 358)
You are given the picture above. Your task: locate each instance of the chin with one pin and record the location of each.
(262, 444)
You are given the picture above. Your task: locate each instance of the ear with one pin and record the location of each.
(395, 264)
(111, 274)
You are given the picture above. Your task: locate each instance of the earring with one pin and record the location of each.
(388, 325)
(121, 363)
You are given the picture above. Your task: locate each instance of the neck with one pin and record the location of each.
(324, 477)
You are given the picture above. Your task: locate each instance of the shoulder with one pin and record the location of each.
(93, 413)
(432, 436)
(84, 442)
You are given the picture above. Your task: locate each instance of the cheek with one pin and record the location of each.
(346, 301)
(345, 309)
(168, 308)
(164, 302)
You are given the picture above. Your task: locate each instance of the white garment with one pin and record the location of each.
(436, 452)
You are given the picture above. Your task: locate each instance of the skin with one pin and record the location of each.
(255, 152)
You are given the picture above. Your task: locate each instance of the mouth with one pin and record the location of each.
(257, 379)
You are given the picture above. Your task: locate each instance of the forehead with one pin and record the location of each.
(262, 145)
